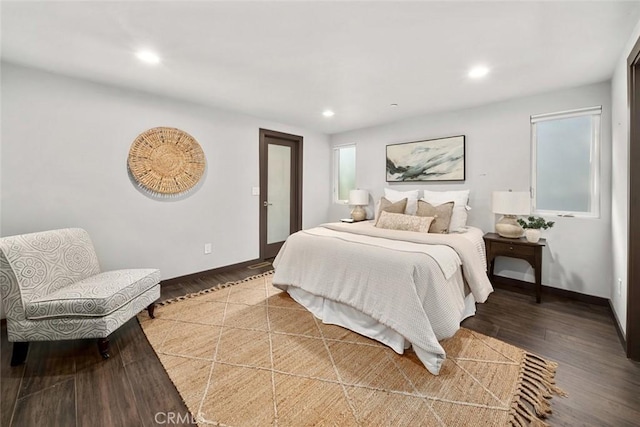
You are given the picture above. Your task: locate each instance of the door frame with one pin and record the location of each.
(633, 261)
(296, 184)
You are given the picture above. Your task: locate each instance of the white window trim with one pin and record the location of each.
(336, 159)
(594, 175)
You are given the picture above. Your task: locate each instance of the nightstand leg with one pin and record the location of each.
(538, 284)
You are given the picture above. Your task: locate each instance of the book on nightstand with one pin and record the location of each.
(346, 220)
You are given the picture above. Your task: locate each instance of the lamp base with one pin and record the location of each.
(508, 227)
(358, 213)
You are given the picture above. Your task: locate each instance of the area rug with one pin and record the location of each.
(246, 354)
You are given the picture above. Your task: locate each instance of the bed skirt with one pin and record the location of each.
(335, 313)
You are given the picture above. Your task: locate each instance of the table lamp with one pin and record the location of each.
(358, 199)
(510, 204)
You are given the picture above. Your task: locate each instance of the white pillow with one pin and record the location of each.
(411, 196)
(459, 199)
(395, 221)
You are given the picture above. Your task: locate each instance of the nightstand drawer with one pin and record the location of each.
(501, 248)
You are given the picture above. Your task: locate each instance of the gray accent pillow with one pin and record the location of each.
(442, 214)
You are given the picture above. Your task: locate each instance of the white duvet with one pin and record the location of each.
(407, 282)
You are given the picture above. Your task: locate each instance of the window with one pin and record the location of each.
(344, 168)
(566, 162)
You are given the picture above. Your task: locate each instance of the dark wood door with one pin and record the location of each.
(633, 278)
(280, 189)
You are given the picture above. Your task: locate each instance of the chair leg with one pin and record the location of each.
(103, 347)
(150, 309)
(19, 354)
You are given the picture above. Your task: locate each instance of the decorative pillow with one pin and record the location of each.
(459, 198)
(386, 206)
(411, 196)
(396, 221)
(440, 213)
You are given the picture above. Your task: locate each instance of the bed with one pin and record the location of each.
(402, 288)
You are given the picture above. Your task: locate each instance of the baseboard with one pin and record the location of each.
(510, 284)
(205, 273)
(623, 339)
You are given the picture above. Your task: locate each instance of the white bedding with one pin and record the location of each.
(398, 287)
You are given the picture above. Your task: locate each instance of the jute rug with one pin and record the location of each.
(246, 354)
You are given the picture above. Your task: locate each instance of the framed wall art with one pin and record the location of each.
(429, 160)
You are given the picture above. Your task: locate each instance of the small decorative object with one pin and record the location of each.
(166, 162)
(532, 235)
(430, 160)
(358, 199)
(532, 227)
(510, 203)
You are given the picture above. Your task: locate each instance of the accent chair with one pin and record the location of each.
(52, 289)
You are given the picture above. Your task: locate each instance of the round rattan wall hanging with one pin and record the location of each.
(166, 162)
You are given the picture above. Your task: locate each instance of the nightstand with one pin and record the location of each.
(516, 248)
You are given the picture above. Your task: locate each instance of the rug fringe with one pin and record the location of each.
(214, 288)
(535, 386)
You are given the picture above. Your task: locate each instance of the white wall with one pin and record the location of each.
(620, 181)
(64, 149)
(2, 315)
(498, 158)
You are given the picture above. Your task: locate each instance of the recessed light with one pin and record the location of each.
(478, 72)
(328, 113)
(394, 105)
(148, 57)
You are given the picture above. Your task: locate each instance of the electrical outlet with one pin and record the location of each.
(207, 248)
(619, 286)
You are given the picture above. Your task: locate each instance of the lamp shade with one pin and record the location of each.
(511, 203)
(358, 197)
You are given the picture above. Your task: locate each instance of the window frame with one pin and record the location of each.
(594, 155)
(336, 171)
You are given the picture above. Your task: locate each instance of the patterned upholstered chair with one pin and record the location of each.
(52, 289)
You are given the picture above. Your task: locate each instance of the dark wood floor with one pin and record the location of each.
(67, 383)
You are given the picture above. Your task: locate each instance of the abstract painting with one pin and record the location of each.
(430, 160)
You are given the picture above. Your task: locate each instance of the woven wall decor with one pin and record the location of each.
(166, 162)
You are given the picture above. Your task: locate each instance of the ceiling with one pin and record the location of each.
(290, 61)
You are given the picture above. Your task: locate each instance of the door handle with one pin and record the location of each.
(265, 204)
